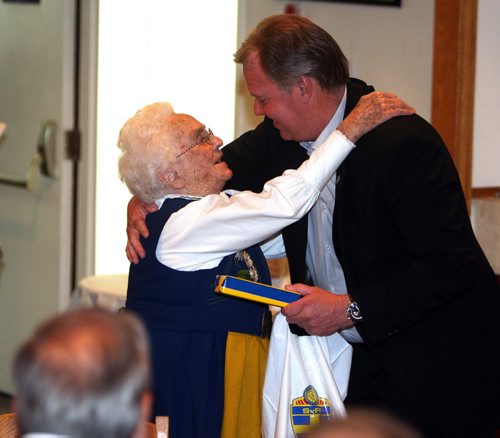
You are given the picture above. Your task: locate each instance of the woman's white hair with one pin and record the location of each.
(146, 151)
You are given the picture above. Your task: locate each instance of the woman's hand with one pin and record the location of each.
(372, 110)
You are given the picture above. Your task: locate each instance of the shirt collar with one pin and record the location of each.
(334, 122)
(159, 202)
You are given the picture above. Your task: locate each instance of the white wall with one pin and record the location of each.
(390, 48)
(486, 149)
(156, 50)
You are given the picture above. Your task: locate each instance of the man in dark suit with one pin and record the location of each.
(390, 236)
(421, 295)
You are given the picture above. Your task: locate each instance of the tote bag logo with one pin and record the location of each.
(309, 410)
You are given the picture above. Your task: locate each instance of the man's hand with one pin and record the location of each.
(136, 226)
(319, 311)
(372, 110)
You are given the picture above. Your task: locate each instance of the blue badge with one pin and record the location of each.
(309, 410)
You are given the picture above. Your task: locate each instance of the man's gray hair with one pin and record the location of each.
(363, 422)
(84, 374)
(146, 151)
(290, 46)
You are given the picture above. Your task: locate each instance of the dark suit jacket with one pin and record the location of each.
(403, 237)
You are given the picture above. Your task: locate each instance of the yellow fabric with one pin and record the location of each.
(245, 367)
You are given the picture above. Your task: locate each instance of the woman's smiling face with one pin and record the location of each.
(198, 161)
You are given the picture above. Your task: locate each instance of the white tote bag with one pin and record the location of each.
(306, 381)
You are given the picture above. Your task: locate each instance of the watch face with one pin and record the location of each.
(353, 312)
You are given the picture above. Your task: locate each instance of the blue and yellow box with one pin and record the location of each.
(251, 290)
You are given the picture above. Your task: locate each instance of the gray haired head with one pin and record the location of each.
(290, 46)
(83, 373)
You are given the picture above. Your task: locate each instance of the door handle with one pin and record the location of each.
(47, 148)
(43, 161)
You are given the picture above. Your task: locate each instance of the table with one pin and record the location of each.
(108, 291)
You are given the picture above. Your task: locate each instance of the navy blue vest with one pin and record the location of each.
(168, 299)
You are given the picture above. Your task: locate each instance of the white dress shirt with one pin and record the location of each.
(321, 260)
(202, 233)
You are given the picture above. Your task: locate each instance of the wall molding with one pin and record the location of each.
(485, 192)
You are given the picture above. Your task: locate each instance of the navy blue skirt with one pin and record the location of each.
(188, 373)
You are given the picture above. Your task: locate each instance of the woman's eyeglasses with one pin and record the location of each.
(206, 136)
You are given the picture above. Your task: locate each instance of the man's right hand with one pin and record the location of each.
(319, 312)
(136, 227)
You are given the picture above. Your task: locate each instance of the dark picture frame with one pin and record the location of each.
(396, 3)
(21, 1)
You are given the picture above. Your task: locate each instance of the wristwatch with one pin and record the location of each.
(353, 312)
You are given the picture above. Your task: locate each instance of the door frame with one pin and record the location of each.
(453, 81)
(85, 202)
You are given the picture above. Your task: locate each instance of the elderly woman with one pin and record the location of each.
(209, 351)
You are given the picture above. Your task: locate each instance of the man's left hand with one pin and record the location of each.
(319, 311)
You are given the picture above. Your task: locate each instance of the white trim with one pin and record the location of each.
(88, 110)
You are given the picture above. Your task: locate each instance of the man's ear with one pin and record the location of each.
(172, 179)
(145, 410)
(305, 86)
(14, 405)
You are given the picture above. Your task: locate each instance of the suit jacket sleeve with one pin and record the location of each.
(402, 230)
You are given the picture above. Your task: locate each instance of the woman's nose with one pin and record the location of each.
(216, 142)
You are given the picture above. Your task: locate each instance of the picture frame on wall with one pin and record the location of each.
(366, 2)
(21, 1)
